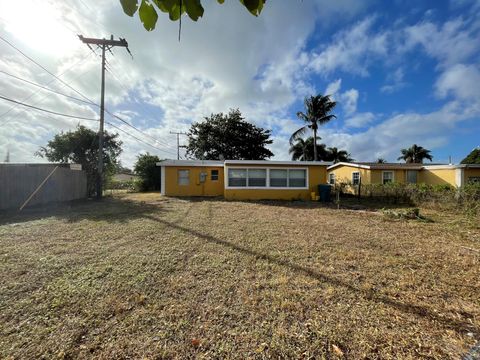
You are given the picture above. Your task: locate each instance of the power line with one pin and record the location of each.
(78, 92)
(35, 92)
(44, 87)
(44, 68)
(45, 110)
(133, 136)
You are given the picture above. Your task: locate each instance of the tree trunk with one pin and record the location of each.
(315, 156)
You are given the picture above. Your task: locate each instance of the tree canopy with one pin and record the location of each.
(146, 167)
(302, 150)
(81, 147)
(472, 158)
(415, 154)
(147, 9)
(318, 109)
(228, 136)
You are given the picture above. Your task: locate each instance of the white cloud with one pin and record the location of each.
(352, 50)
(348, 99)
(360, 120)
(461, 81)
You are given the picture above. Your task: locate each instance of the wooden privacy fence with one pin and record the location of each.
(18, 182)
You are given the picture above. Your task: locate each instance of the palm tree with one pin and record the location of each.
(303, 149)
(415, 155)
(381, 161)
(336, 155)
(317, 113)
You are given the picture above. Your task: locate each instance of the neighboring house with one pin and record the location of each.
(243, 179)
(124, 177)
(374, 173)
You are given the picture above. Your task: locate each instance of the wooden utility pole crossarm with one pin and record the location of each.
(104, 44)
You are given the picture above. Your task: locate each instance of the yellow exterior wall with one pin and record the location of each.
(195, 188)
(399, 176)
(343, 174)
(437, 177)
(471, 173)
(317, 174)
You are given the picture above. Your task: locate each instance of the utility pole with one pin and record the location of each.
(104, 45)
(178, 142)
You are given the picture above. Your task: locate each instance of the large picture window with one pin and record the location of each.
(237, 177)
(297, 178)
(278, 177)
(257, 177)
(183, 177)
(268, 178)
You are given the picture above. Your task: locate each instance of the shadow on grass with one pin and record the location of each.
(109, 209)
(416, 310)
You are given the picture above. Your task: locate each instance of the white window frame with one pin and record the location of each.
(359, 177)
(211, 174)
(268, 187)
(383, 176)
(178, 177)
(331, 177)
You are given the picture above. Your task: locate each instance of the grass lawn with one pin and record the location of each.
(141, 276)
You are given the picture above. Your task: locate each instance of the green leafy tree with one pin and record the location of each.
(228, 137)
(473, 157)
(146, 167)
(335, 155)
(302, 150)
(415, 154)
(81, 147)
(318, 109)
(148, 9)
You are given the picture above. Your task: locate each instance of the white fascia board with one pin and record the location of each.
(272, 162)
(190, 163)
(359, 166)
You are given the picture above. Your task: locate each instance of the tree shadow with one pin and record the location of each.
(110, 209)
(372, 295)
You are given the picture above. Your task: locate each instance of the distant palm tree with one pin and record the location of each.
(381, 161)
(415, 154)
(302, 149)
(317, 113)
(337, 156)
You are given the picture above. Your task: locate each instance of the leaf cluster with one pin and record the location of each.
(147, 9)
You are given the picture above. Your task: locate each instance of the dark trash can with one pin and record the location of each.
(324, 191)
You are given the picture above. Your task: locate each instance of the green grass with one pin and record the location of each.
(143, 276)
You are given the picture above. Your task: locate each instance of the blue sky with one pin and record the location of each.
(402, 72)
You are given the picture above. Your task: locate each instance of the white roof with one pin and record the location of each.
(237, 162)
(190, 163)
(271, 162)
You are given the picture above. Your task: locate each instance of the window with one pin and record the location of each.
(412, 176)
(257, 177)
(387, 177)
(237, 177)
(474, 179)
(355, 178)
(214, 175)
(297, 178)
(278, 178)
(331, 179)
(183, 177)
(267, 178)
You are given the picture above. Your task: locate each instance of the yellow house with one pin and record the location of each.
(374, 173)
(243, 179)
